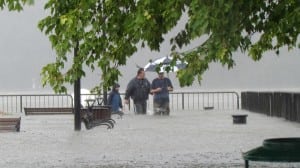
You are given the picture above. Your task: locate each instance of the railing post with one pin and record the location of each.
(182, 94)
(238, 100)
(129, 104)
(72, 101)
(21, 104)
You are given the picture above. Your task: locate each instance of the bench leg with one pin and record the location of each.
(109, 125)
(18, 127)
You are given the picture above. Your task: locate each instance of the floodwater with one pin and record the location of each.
(183, 140)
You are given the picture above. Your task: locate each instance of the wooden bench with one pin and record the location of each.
(10, 124)
(47, 110)
(98, 115)
(99, 112)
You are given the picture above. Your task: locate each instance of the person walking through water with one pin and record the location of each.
(115, 101)
(138, 90)
(160, 88)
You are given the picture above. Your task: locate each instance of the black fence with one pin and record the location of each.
(279, 104)
(17, 103)
(223, 100)
(178, 101)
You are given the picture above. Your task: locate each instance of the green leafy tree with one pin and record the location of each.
(97, 29)
(107, 32)
(14, 5)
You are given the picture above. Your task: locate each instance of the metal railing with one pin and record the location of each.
(201, 100)
(16, 103)
(279, 104)
(178, 101)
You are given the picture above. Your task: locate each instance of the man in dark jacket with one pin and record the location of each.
(138, 90)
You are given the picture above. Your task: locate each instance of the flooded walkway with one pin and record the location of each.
(184, 139)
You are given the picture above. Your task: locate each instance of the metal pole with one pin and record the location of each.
(77, 102)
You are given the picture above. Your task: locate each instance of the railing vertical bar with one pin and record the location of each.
(49, 101)
(238, 101)
(6, 103)
(213, 99)
(21, 104)
(208, 102)
(39, 100)
(62, 101)
(56, 103)
(182, 95)
(222, 100)
(227, 101)
(233, 99)
(177, 100)
(203, 101)
(30, 101)
(188, 100)
(16, 104)
(198, 101)
(218, 100)
(53, 101)
(10, 104)
(1, 103)
(24, 97)
(193, 101)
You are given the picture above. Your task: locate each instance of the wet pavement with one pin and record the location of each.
(184, 139)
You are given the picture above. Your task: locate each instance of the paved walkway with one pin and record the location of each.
(184, 139)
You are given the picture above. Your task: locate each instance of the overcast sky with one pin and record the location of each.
(24, 50)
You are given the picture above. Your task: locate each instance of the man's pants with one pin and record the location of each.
(161, 108)
(140, 107)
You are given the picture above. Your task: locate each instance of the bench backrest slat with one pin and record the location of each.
(47, 111)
